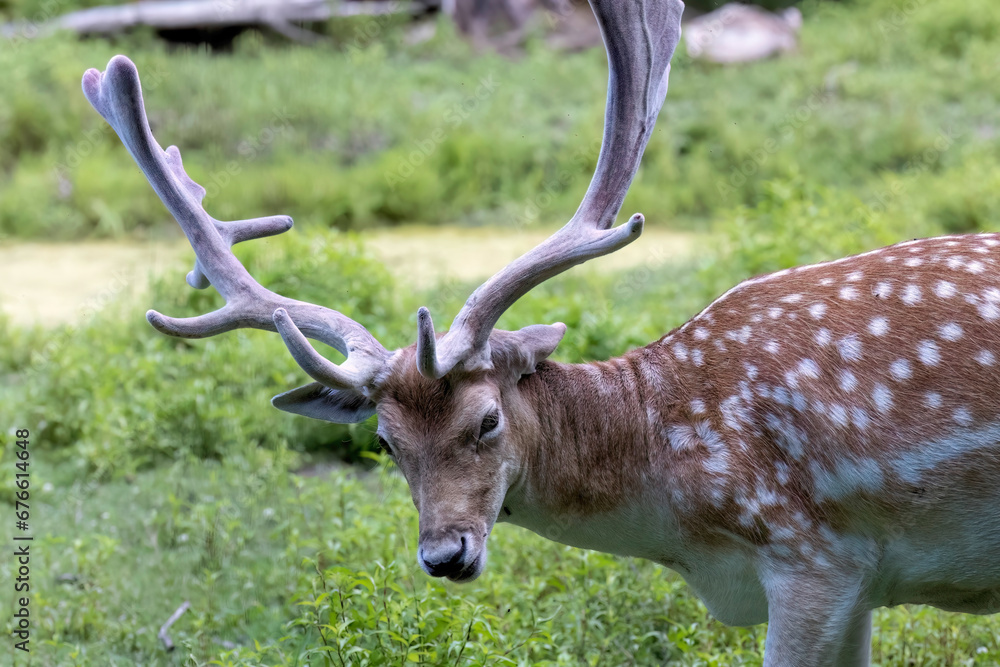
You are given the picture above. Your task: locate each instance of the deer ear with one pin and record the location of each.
(524, 349)
(340, 406)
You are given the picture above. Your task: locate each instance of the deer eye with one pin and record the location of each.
(384, 444)
(490, 422)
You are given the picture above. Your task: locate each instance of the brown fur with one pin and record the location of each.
(590, 440)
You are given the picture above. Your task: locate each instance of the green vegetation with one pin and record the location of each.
(320, 570)
(382, 132)
(161, 475)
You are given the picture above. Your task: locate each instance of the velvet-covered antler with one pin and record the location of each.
(117, 95)
(640, 37)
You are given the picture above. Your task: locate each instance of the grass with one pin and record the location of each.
(319, 569)
(159, 473)
(385, 133)
(158, 459)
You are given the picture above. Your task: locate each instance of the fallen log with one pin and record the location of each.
(280, 15)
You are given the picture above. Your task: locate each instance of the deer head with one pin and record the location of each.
(453, 409)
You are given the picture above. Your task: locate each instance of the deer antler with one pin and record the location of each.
(640, 37)
(117, 95)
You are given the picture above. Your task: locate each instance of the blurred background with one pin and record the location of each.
(419, 146)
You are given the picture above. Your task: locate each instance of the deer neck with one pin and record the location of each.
(585, 476)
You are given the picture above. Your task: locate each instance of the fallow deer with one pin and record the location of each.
(816, 443)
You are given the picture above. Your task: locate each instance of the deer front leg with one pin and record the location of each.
(856, 650)
(816, 619)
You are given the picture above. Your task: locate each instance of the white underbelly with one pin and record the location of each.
(729, 585)
(957, 572)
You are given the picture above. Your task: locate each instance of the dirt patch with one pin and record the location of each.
(52, 284)
(426, 256)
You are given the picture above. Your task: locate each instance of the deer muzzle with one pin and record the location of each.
(459, 555)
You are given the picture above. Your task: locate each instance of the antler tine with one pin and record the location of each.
(640, 37)
(117, 95)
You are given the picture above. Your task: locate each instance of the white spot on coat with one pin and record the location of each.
(985, 357)
(781, 472)
(901, 369)
(808, 368)
(838, 413)
(928, 352)
(859, 417)
(817, 310)
(951, 331)
(682, 438)
(847, 381)
(882, 290)
(878, 326)
(962, 416)
(740, 336)
(792, 379)
(718, 460)
(911, 295)
(932, 399)
(944, 289)
(989, 311)
(882, 397)
(849, 347)
(734, 413)
(786, 435)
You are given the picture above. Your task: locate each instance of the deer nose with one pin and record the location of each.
(443, 556)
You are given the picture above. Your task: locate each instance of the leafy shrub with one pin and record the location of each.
(116, 396)
(386, 133)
